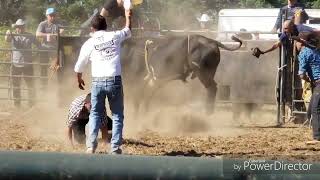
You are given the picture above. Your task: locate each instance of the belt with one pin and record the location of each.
(104, 78)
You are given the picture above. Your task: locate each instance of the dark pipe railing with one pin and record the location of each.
(33, 165)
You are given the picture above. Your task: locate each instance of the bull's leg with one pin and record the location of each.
(144, 97)
(150, 92)
(211, 86)
(236, 112)
(212, 92)
(250, 107)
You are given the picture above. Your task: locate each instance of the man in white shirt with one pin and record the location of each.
(103, 50)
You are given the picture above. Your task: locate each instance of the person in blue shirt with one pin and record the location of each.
(309, 70)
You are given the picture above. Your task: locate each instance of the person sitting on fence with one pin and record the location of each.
(290, 9)
(115, 8)
(78, 118)
(309, 70)
(47, 31)
(21, 41)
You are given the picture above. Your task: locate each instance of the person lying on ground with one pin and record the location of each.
(78, 118)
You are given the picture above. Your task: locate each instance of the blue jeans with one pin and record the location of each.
(314, 107)
(112, 89)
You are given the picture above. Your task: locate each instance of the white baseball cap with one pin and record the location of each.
(19, 22)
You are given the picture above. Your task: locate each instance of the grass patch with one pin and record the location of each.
(4, 55)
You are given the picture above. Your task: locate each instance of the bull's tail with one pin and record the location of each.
(234, 38)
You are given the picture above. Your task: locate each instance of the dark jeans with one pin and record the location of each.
(102, 88)
(79, 130)
(16, 82)
(314, 108)
(44, 60)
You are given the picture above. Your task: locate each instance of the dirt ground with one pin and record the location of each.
(176, 125)
(184, 134)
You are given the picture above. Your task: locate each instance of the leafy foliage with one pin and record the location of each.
(10, 10)
(76, 11)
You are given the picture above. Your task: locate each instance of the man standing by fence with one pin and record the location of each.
(115, 8)
(103, 50)
(309, 70)
(21, 41)
(289, 10)
(48, 31)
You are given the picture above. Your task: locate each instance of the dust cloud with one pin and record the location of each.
(177, 109)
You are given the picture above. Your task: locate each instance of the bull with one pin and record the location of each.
(153, 62)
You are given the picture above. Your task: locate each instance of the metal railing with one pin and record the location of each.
(47, 166)
(10, 63)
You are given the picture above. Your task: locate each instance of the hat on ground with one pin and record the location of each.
(50, 11)
(19, 22)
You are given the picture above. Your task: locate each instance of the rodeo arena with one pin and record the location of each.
(134, 100)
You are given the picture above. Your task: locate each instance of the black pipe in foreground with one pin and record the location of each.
(33, 165)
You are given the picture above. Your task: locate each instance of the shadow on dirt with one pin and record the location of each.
(136, 143)
(190, 153)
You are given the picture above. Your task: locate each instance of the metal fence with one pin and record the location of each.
(9, 76)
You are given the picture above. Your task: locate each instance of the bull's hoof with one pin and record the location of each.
(193, 75)
(151, 83)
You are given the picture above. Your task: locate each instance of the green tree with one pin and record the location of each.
(10, 11)
(316, 4)
(255, 4)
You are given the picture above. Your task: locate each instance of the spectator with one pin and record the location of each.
(309, 70)
(150, 29)
(78, 118)
(48, 31)
(290, 9)
(289, 29)
(299, 20)
(204, 21)
(115, 8)
(21, 58)
(103, 50)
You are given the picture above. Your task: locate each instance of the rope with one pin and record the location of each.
(188, 43)
(146, 55)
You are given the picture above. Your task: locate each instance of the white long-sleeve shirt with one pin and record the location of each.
(103, 50)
